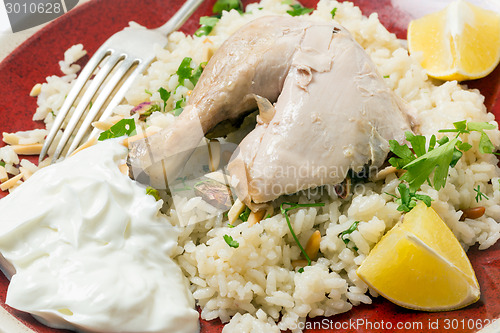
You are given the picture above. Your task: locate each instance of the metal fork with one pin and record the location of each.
(126, 48)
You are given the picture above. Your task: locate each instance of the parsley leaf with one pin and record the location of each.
(349, 231)
(420, 163)
(403, 152)
(231, 242)
(165, 95)
(480, 126)
(480, 195)
(409, 199)
(197, 73)
(178, 108)
(244, 216)
(154, 192)
(298, 10)
(121, 128)
(420, 167)
(485, 144)
(333, 12)
(417, 143)
(438, 160)
(284, 211)
(227, 5)
(207, 24)
(185, 71)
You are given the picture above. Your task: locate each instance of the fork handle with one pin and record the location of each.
(180, 17)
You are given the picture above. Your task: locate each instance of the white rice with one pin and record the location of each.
(254, 288)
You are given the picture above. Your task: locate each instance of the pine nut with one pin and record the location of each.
(472, 213)
(312, 246)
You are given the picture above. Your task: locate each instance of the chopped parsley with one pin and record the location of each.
(197, 73)
(480, 195)
(298, 10)
(121, 128)
(165, 95)
(229, 225)
(186, 72)
(244, 216)
(231, 242)
(227, 5)
(333, 12)
(154, 192)
(148, 92)
(349, 231)
(178, 108)
(207, 24)
(285, 211)
(2, 163)
(409, 198)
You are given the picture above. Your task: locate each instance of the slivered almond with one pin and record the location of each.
(26, 173)
(382, 174)
(11, 182)
(102, 125)
(208, 52)
(31, 167)
(269, 211)
(87, 144)
(114, 119)
(235, 211)
(256, 217)
(3, 174)
(32, 149)
(218, 176)
(312, 246)
(140, 136)
(11, 169)
(10, 138)
(124, 169)
(213, 155)
(299, 263)
(36, 90)
(105, 125)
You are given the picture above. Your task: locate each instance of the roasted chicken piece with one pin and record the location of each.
(334, 111)
(255, 60)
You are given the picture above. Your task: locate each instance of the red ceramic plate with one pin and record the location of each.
(93, 22)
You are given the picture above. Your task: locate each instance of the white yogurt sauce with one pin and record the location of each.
(88, 250)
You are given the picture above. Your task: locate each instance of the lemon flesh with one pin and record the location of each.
(419, 264)
(460, 42)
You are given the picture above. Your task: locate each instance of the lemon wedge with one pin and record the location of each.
(419, 264)
(460, 42)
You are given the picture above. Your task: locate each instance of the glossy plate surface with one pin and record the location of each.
(92, 23)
